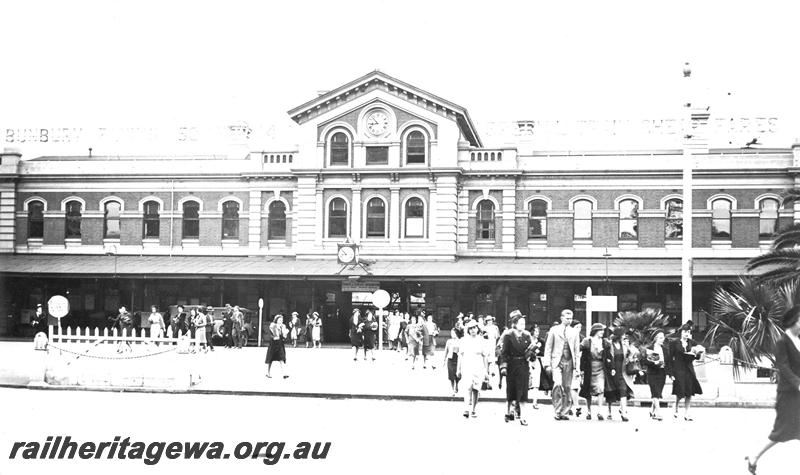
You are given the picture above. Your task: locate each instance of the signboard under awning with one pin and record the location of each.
(360, 285)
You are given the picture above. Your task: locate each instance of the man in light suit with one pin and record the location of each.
(561, 358)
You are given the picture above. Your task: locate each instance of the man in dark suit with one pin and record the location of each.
(179, 322)
(210, 327)
(227, 326)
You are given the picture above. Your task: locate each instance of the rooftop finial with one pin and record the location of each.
(687, 70)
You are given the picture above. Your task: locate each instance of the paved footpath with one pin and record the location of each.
(387, 437)
(326, 372)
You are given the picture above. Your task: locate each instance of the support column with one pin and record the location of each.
(509, 206)
(394, 215)
(254, 223)
(355, 216)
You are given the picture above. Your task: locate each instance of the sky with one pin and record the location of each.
(153, 63)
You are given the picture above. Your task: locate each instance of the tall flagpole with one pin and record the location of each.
(688, 165)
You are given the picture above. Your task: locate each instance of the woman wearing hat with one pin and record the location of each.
(656, 374)
(316, 330)
(787, 401)
(620, 351)
(356, 332)
(517, 349)
(681, 354)
(370, 330)
(277, 349)
(472, 366)
(596, 365)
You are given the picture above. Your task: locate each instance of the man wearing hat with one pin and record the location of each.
(210, 327)
(561, 357)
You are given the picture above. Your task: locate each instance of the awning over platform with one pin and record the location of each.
(87, 266)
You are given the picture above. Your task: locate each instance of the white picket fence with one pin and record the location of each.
(96, 336)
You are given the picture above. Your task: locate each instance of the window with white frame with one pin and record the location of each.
(276, 220)
(230, 220)
(537, 219)
(337, 218)
(151, 219)
(485, 220)
(415, 147)
(673, 223)
(376, 218)
(628, 220)
(582, 219)
(414, 218)
(721, 219)
(191, 220)
(73, 219)
(768, 218)
(340, 149)
(111, 225)
(35, 220)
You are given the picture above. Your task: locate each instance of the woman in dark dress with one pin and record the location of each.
(595, 366)
(517, 349)
(655, 362)
(356, 332)
(277, 348)
(787, 401)
(681, 354)
(370, 331)
(619, 352)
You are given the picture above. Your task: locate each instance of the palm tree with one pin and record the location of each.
(782, 263)
(642, 326)
(746, 317)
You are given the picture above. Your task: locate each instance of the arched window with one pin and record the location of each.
(537, 219)
(768, 219)
(415, 218)
(230, 220)
(111, 221)
(673, 224)
(415, 147)
(337, 218)
(35, 220)
(582, 219)
(340, 149)
(191, 220)
(721, 219)
(376, 218)
(151, 219)
(276, 220)
(629, 220)
(73, 217)
(485, 220)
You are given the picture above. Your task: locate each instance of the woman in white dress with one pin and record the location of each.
(200, 323)
(157, 325)
(316, 330)
(394, 329)
(472, 367)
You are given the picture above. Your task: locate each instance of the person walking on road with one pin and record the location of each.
(561, 355)
(517, 349)
(356, 332)
(472, 367)
(156, 321)
(277, 347)
(200, 323)
(595, 367)
(680, 368)
(316, 331)
(787, 401)
(210, 327)
(414, 337)
(238, 327)
(451, 349)
(655, 362)
(370, 331)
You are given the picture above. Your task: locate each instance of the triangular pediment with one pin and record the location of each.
(378, 80)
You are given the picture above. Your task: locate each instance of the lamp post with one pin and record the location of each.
(688, 207)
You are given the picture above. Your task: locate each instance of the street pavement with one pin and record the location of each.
(326, 372)
(383, 436)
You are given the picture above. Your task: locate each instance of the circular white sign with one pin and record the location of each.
(381, 298)
(260, 303)
(58, 306)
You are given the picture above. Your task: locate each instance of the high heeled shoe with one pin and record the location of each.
(509, 417)
(623, 416)
(751, 467)
(523, 422)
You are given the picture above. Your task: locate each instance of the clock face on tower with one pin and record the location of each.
(377, 123)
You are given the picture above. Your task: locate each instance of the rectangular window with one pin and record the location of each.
(151, 226)
(377, 155)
